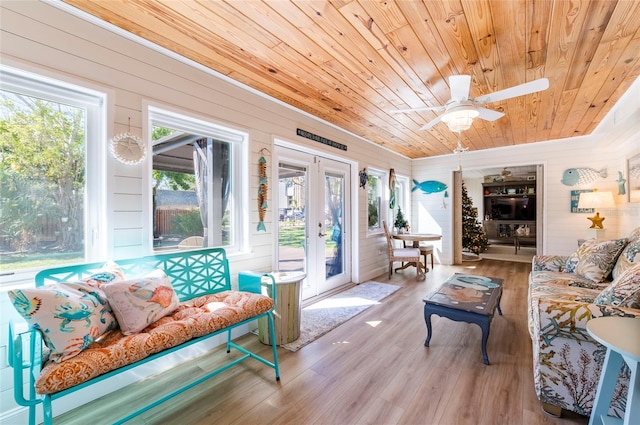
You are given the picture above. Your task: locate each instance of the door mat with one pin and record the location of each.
(319, 318)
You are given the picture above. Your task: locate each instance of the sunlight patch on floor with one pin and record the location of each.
(341, 302)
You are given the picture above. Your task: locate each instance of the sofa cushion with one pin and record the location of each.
(69, 315)
(139, 302)
(623, 291)
(629, 256)
(194, 318)
(562, 280)
(595, 259)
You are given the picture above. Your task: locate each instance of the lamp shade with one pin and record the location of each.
(596, 200)
(459, 118)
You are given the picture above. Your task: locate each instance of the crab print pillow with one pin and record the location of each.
(70, 315)
(138, 303)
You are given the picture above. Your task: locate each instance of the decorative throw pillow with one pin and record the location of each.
(623, 291)
(595, 259)
(139, 302)
(629, 257)
(70, 315)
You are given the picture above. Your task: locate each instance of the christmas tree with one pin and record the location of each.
(400, 222)
(474, 239)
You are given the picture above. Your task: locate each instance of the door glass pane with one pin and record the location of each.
(292, 228)
(334, 201)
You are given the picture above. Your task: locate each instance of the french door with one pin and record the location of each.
(314, 223)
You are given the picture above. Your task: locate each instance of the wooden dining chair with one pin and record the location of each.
(424, 251)
(406, 255)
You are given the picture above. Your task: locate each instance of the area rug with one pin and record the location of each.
(319, 318)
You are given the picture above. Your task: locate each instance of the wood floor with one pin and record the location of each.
(374, 369)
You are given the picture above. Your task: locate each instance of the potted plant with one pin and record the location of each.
(400, 224)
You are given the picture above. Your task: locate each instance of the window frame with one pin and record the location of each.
(402, 199)
(238, 140)
(381, 176)
(94, 102)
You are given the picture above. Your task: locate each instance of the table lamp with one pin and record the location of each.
(596, 200)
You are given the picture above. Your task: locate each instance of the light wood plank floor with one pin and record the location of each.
(374, 369)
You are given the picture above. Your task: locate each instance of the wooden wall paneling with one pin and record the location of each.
(127, 220)
(537, 42)
(483, 35)
(334, 87)
(592, 32)
(614, 47)
(565, 26)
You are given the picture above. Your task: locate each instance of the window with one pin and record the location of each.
(197, 180)
(51, 150)
(375, 197)
(402, 199)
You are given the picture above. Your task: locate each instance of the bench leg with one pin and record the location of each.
(47, 410)
(272, 338)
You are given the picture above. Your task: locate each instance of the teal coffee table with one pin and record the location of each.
(465, 298)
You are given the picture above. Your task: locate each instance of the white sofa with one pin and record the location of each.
(565, 292)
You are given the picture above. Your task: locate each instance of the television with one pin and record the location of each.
(513, 208)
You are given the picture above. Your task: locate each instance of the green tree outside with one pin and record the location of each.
(42, 173)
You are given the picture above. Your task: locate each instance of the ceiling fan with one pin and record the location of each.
(460, 110)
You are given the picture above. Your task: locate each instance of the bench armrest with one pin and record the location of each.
(258, 283)
(25, 357)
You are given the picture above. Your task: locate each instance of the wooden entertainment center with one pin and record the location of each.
(510, 211)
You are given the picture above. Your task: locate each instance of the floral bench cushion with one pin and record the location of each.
(192, 319)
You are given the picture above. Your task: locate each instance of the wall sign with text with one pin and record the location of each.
(307, 135)
(575, 197)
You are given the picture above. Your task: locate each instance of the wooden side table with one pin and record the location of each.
(621, 336)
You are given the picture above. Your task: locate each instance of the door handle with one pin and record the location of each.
(322, 235)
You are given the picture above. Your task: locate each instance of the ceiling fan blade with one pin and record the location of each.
(459, 85)
(420, 109)
(431, 123)
(488, 114)
(515, 91)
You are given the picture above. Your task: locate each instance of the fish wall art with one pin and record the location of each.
(262, 192)
(429, 187)
(582, 176)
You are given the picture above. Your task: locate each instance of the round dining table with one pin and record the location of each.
(415, 239)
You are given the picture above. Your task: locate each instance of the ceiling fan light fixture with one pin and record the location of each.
(459, 118)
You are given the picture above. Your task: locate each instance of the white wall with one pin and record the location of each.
(615, 140)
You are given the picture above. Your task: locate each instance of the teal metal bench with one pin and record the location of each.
(192, 274)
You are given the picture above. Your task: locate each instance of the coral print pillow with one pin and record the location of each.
(139, 302)
(630, 256)
(624, 291)
(595, 259)
(70, 315)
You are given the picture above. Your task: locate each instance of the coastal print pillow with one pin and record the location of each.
(595, 259)
(624, 291)
(69, 315)
(139, 302)
(629, 257)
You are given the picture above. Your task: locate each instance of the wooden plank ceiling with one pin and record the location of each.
(351, 62)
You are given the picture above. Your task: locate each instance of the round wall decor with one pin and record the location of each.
(128, 148)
